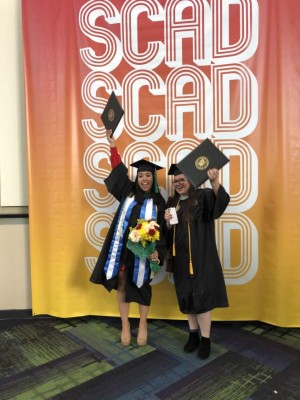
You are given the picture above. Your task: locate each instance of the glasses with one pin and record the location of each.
(179, 181)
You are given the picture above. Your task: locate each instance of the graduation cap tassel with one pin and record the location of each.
(155, 182)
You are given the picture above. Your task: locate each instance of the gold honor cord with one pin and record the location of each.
(173, 246)
(190, 252)
(191, 269)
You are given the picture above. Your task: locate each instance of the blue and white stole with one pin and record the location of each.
(141, 267)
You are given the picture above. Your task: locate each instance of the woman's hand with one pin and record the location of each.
(154, 257)
(213, 175)
(110, 138)
(168, 215)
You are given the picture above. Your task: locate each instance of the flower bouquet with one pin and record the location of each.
(142, 240)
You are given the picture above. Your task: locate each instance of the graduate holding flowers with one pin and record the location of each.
(142, 241)
(129, 258)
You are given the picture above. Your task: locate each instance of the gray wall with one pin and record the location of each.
(15, 292)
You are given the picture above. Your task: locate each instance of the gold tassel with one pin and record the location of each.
(173, 245)
(190, 252)
(174, 228)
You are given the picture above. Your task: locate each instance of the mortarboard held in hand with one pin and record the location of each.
(204, 157)
(112, 113)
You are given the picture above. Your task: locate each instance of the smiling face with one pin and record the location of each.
(181, 184)
(145, 180)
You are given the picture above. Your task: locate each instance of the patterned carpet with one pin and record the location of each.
(82, 358)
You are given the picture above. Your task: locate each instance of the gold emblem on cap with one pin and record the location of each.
(202, 162)
(111, 114)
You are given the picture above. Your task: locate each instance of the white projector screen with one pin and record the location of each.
(13, 163)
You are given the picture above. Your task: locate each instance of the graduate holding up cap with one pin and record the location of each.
(197, 271)
(118, 267)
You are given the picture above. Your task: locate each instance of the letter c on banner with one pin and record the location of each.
(112, 55)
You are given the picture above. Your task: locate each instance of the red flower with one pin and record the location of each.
(152, 232)
(138, 226)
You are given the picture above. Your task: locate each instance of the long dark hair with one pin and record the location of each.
(190, 203)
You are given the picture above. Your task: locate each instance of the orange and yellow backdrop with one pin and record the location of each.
(183, 71)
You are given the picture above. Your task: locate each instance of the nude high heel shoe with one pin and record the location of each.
(125, 335)
(142, 335)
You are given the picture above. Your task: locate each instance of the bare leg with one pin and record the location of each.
(143, 328)
(205, 326)
(193, 322)
(204, 321)
(123, 309)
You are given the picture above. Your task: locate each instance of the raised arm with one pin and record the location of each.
(218, 201)
(115, 158)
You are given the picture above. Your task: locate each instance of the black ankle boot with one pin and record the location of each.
(204, 348)
(192, 343)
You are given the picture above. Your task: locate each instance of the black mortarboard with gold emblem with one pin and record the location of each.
(112, 113)
(204, 157)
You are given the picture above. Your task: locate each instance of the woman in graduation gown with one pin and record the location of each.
(197, 271)
(117, 267)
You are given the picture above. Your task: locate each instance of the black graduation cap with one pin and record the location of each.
(204, 157)
(112, 113)
(145, 165)
(174, 170)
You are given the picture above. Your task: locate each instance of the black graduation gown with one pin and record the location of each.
(120, 186)
(205, 289)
